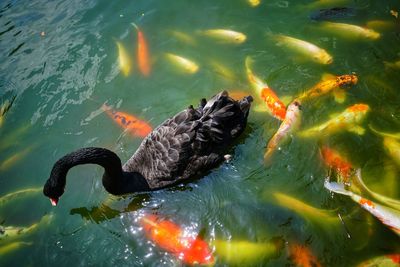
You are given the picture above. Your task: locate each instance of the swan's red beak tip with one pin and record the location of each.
(53, 201)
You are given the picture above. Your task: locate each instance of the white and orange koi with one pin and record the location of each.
(388, 216)
(275, 106)
(290, 123)
(182, 63)
(304, 48)
(341, 166)
(125, 63)
(350, 30)
(225, 36)
(331, 83)
(348, 120)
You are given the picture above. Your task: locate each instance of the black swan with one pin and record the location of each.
(186, 145)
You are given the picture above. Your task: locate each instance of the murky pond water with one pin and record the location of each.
(64, 59)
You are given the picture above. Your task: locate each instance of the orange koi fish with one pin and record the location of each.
(388, 216)
(274, 104)
(302, 256)
(334, 160)
(331, 83)
(129, 122)
(142, 52)
(172, 238)
(348, 120)
(291, 121)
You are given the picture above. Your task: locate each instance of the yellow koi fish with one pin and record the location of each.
(393, 65)
(291, 122)
(19, 193)
(350, 30)
(348, 120)
(254, 3)
(12, 160)
(125, 63)
(392, 146)
(381, 25)
(182, 63)
(225, 36)
(384, 134)
(13, 246)
(388, 216)
(330, 83)
(245, 252)
(183, 37)
(304, 48)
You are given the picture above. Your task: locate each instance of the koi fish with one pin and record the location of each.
(302, 256)
(304, 48)
(222, 70)
(392, 146)
(331, 83)
(13, 137)
(290, 123)
(393, 203)
(348, 120)
(225, 36)
(125, 63)
(333, 13)
(394, 13)
(16, 194)
(12, 160)
(390, 260)
(142, 52)
(276, 107)
(388, 216)
(309, 213)
(8, 233)
(336, 161)
(13, 246)
(384, 134)
(245, 252)
(128, 122)
(380, 25)
(393, 65)
(182, 63)
(183, 37)
(5, 107)
(254, 3)
(350, 30)
(172, 238)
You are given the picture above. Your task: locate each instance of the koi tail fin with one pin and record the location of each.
(338, 188)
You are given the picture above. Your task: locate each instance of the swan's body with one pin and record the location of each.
(186, 145)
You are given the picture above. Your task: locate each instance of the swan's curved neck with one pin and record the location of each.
(115, 180)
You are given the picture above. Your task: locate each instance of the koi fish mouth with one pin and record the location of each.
(53, 201)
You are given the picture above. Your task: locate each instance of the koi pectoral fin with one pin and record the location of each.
(339, 95)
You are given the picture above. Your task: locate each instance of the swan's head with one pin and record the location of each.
(54, 188)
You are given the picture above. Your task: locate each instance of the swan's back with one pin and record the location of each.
(190, 143)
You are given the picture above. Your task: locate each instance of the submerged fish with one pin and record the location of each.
(348, 120)
(5, 107)
(125, 63)
(393, 65)
(13, 137)
(350, 30)
(331, 83)
(171, 237)
(306, 49)
(275, 106)
(385, 134)
(388, 216)
(254, 3)
(327, 3)
(392, 147)
(333, 13)
(222, 70)
(381, 25)
(290, 123)
(245, 252)
(225, 36)
(143, 57)
(130, 123)
(13, 246)
(16, 194)
(183, 37)
(182, 63)
(390, 260)
(302, 256)
(14, 159)
(334, 160)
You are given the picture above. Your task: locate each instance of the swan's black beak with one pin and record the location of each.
(53, 201)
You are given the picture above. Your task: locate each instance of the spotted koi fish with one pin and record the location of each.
(334, 160)
(172, 238)
(128, 122)
(388, 216)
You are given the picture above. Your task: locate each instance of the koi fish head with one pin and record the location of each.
(343, 80)
(295, 106)
(323, 57)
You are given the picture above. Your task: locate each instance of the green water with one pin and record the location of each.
(62, 76)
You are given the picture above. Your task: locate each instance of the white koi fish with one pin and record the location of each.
(225, 36)
(350, 30)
